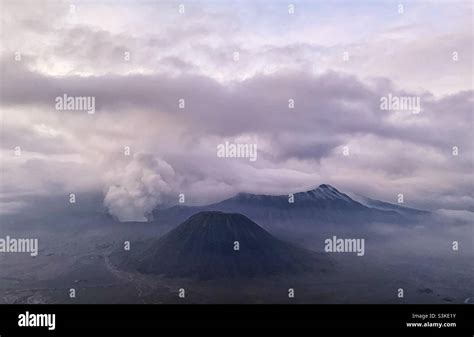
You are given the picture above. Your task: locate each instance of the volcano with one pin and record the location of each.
(212, 244)
(321, 206)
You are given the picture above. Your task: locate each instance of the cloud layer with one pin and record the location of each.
(139, 62)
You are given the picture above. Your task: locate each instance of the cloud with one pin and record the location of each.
(464, 217)
(332, 110)
(191, 57)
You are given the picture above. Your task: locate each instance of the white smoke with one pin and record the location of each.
(136, 190)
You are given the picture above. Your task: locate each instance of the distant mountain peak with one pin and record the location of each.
(327, 187)
(327, 192)
(323, 192)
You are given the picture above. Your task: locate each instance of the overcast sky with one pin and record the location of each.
(334, 59)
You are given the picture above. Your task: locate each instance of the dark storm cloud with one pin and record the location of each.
(328, 108)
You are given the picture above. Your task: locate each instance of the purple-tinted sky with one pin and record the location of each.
(336, 60)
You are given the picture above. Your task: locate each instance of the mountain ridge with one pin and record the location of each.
(322, 205)
(323, 192)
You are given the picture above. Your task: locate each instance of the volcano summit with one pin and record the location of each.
(211, 245)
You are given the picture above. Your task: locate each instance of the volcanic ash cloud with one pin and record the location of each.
(133, 192)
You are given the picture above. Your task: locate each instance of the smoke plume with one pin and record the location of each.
(135, 191)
